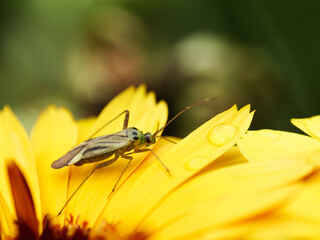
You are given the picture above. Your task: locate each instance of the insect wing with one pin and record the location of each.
(103, 148)
(94, 149)
(65, 159)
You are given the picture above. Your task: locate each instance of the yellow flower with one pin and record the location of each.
(213, 191)
(264, 187)
(297, 217)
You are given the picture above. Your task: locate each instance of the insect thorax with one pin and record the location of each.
(139, 138)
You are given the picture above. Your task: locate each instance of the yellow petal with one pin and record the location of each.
(7, 226)
(225, 233)
(269, 226)
(267, 144)
(232, 157)
(14, 144)
(227, 185)
(54, 133)
(223, 211)
(281, 228)
(146, 115)
(305, 205)
(144, 189)
(143, 112)
(310, 126)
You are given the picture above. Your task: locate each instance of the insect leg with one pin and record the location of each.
(126, 120)
(167, 139)
(150, 150)
(106, 163)
(124, 170)
(125, 123)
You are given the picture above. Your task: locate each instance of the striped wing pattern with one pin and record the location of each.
(95, 149)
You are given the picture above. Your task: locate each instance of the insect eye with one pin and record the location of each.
(149, 138)
(135, 138)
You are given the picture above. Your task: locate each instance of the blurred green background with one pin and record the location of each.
(80, 54)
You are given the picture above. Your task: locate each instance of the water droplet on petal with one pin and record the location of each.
(268, 135)
(222, 133)
(197, 163)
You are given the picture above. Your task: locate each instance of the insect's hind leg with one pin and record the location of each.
(124, 170)
(106, 163)
(125, 123)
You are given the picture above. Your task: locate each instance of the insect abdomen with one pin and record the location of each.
(95, 158)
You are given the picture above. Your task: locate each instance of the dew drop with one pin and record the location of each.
(197, 163)
(268, 135)
(222, 133)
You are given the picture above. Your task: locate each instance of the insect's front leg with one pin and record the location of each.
(150, 150)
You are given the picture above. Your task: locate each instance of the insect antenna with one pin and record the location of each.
(182, 111)
(165, 138)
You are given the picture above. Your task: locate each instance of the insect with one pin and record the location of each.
(120, 144)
